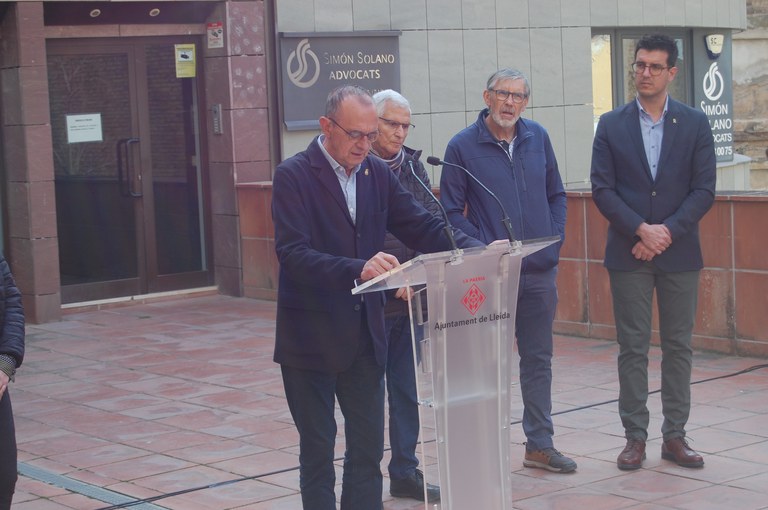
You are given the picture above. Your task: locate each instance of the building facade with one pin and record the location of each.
(128, 128)
(750, 89)
(125, 127)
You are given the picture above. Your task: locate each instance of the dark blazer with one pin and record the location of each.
(626, 194)
(321, 253)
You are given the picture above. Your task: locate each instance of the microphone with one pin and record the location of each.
(434, 161)
(448, 229)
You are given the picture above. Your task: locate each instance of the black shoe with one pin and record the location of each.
(413, 487)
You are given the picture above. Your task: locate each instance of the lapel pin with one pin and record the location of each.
(674, 120)
(366, 171)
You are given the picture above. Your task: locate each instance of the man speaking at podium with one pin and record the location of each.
(514, 157)
(331, 206)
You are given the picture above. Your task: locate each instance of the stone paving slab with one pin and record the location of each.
(177, 404)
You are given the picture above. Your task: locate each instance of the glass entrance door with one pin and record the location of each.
(128, 176)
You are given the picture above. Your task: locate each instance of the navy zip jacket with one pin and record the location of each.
(528, 184)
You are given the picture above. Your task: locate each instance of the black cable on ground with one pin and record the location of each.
(195, 489)
(255, 477)
(613, 401)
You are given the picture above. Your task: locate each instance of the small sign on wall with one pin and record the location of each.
(185, 60)
(84, 127)
(215, 35)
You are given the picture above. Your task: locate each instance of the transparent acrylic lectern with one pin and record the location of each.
(464, 361)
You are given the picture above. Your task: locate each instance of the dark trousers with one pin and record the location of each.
(8, 470)
(536, 306)
(401, 394)
(360, 392)
(676, 294)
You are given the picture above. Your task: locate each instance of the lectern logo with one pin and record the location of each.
(307, 62)
(473, 299)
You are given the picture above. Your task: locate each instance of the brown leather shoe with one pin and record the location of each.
(632, 456)
(677, 449)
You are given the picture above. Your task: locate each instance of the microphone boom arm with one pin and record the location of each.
(432, 160)
(448, 229)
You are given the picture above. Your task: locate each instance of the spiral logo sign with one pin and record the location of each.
(314, 64)
(305, 62)
(713, 83)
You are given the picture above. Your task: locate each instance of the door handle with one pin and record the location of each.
(122, 185)
(125, 167)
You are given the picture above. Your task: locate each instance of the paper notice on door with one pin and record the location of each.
(84, 127)
(185, 60)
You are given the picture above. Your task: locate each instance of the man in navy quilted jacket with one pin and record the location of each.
(11, 356)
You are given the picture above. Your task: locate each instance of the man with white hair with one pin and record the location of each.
(406, 480)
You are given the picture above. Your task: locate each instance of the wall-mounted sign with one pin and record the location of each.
(185, 60)
(84, 127)
(713, 87)
(313, 64)
(215, 35)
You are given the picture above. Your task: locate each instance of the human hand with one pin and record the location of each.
(656, 238)
(642, 252)
(3, 383)
(404, 293)
(378, 264)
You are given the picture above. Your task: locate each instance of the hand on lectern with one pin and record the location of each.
(378, 264)
(404, 293)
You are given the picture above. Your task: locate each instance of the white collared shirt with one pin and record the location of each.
(348, 183)
(653, 134)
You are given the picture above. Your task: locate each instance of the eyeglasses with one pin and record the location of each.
(394, 124)
(654, 69)
(358, 135)
(503, 95)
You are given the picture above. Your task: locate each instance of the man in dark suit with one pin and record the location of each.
(653, 178)
(332, 205)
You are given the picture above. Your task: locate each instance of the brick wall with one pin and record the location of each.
(732, 316)
(732, 309)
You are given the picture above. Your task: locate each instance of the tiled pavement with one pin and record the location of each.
(177, 403)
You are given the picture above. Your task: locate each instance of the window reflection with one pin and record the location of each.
(677, 89)
(612, 77)
(602, 81)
